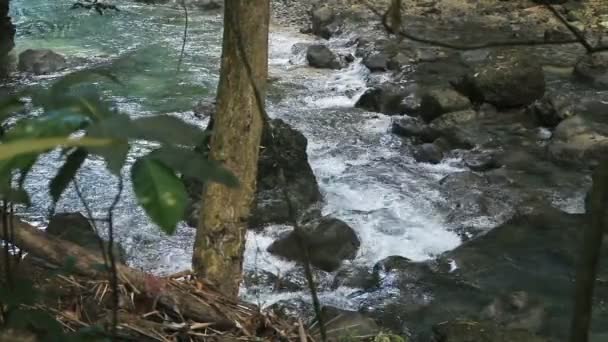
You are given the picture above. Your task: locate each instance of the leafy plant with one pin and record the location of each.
(77, 120)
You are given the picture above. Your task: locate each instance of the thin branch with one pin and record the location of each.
(113, 273)
(185, 37)
(282, 183)
(578, 34)
(468, 47)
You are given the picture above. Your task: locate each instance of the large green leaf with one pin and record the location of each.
(66, 173)
(53, 124)
(25, 146)
(160, 192)
(169, 130)
(192, 164)
(117, 128)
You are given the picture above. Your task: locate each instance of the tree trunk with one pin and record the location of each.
(7, 34)
(590, 256)
(237, 130)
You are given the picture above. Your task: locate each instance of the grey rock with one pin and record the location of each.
(441, 100)
(386, 98)
(593, 69)
(320, 56)
(428, 153)
(325, 22)
(376, 62)
(41, 61)
(412, 127)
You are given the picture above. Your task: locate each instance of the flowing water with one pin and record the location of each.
(367, 176)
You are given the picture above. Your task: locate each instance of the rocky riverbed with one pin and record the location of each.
(396, 152)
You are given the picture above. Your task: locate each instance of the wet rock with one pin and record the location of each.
(505, 81)
(580, 138)
(325, 23)
(205, 108)
(459, 128)
(344, 323)
(469, 331)
(376, 62)
(481, 162)
(357, 277)
(386, 98)
(320, 56)
(552, 109)
(41, 61)
(329, 241)
(269, 206)
(293, 308)
(265, 279)
(399, 61)
(593, 69)
(412, 127)
(428, 153)
(76, 228)
(516, 310)
(302, 187)
(438, 101)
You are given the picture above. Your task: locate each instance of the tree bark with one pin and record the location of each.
(7, 35)
(590, 256)
(238, 123)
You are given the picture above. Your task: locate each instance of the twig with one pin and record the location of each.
(185, 37)
(113, 273)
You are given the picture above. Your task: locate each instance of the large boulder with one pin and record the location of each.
(328, 240)
(581, 138)
(437, 101)
(320, 56)
(325, 23)
(505, 81)
(76, 228)
(41, 61)
(473, 331)
(593, 69)
(269, 206)
(386, 98)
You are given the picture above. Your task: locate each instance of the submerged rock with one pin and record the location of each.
(593, 69)
(505, 81)
(41, 61)
(320, 56)
(76, 228)
(329, 241)
(386, 98)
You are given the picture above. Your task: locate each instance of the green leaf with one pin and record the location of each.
(192, 164)
(15, 196)
(9, 106)
(22, 292)
(25, 146)
(117, 128)
(53, 124)
(66, 173)
(169, 130)
(159, 191)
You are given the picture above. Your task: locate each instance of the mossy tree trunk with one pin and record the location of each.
(7, 33)
(237, 131)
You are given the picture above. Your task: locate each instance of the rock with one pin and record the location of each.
(386, 98)
(516, 310)
(435, 102)
(411, 127)
(428, 153)
(261, 278)
(399, 61)
(593, 69)
(505, 81)
(376, 62)
(269, 206)
(302, 187)
(551, 109)
(325, 22)
(208, 5)
(76, 228)
(580, 138)
(343, 323)
(295, 308)
(481, 162)
(205, 108)
(41, 61)
(459, 128)
(329, 242)
(357, 277)
(320, 56)
(472, 331)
